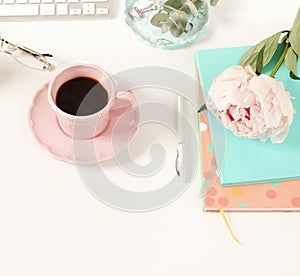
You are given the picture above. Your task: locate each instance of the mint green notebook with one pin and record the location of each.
(246, 161)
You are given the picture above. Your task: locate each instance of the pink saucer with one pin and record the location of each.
(115, 138)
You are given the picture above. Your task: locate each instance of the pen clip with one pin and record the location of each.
(178, 160)
(176, 163)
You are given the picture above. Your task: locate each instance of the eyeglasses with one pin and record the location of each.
(26, 56)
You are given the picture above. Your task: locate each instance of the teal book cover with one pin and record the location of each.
(250, 161)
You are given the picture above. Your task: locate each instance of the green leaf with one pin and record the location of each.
(270, 44)
(259, 61)
(176, 4)
(285, 38)
(202, 108)
(214, 2)
(295, 34)
(172, 5)
(165, 27)
(179, 20)
(159, 19)
(192, 8)
(175, 31)
(179, 16)
(294, 77)
(291, 63)
(182, 5)
(198, 3)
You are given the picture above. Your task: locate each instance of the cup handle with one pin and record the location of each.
(126, 96)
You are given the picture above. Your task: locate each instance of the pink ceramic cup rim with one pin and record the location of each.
(107, 77)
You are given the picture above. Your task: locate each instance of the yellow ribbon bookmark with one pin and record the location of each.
(228, 225)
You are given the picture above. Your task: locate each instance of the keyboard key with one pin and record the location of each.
(75, 11)
(19, 10)
(21, 1)
(47, 1)
(34, 1)
(102, 10)
(62, 9)
(47, 9)
(60, 1)
(88, 5)
(88, 11)
(8, 1)
(93, 1)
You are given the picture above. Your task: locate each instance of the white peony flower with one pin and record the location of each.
(251, 105)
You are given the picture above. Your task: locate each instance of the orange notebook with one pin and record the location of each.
(280, 196)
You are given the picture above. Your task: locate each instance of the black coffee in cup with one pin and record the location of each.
(81, 96)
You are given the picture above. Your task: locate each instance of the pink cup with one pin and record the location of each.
(89, 126)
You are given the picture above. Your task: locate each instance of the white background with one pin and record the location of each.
(51, 225)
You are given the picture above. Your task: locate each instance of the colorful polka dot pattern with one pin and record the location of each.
(210, 147)
(295, 201)
(275, 184)
(271, 194)
(209, 201)
(236, 191)
(223, 201)
(212, 192)
(280, 194)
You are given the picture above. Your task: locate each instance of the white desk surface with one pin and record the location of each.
(51, 225)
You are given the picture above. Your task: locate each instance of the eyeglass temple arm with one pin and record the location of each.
(25, 49)
(32, 52)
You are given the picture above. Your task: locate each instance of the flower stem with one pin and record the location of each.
(280, 61)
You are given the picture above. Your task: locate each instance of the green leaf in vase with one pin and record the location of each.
(214, 2)
(172, 5)
(295, 35)
(290, 61)
(192, 8)
(179, 17)
(186, 6)
(198, 3)
(159, 19)
(175, 31)
(165, 27)
(179, 20)
(270, 44)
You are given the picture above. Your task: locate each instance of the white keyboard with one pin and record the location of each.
(21, 10)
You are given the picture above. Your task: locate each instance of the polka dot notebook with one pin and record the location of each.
(271, 196)
(274, 196)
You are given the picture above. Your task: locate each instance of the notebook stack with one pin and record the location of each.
(245, 175)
